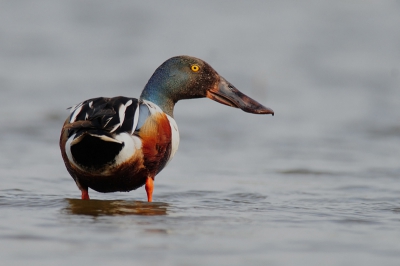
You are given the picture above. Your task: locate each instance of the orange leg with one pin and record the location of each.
(149, 189)
(85, 194)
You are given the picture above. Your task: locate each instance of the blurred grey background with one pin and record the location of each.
(336, 61)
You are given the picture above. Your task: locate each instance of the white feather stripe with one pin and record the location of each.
(136, 118)
(73, 108)
(75, 114)
(68, 149)
(121, 112)
(76, 140)
(153, 108)
(174, 137)
(105, 138)
(108, 121)
(114, 128)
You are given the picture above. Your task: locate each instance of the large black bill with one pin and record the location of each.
(227, 94)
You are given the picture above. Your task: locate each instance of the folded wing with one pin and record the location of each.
(99, 128)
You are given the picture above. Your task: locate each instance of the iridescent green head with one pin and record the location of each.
(185, 77)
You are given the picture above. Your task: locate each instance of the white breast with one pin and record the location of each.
(175, 136)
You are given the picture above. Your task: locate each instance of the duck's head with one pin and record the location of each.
(185, 77)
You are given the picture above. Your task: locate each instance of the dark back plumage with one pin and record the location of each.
(112, 115)
(96, 122)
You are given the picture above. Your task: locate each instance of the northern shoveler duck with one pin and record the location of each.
(121, 143)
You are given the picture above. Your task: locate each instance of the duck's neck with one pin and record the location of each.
(157, 93)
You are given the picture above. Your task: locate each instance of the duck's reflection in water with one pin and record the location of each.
(114, 207)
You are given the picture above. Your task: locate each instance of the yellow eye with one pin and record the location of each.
(195, 68)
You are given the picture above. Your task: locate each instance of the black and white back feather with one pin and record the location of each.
(107, 117)
(104, 131)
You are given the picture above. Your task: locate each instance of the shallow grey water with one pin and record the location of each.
(318, 184)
